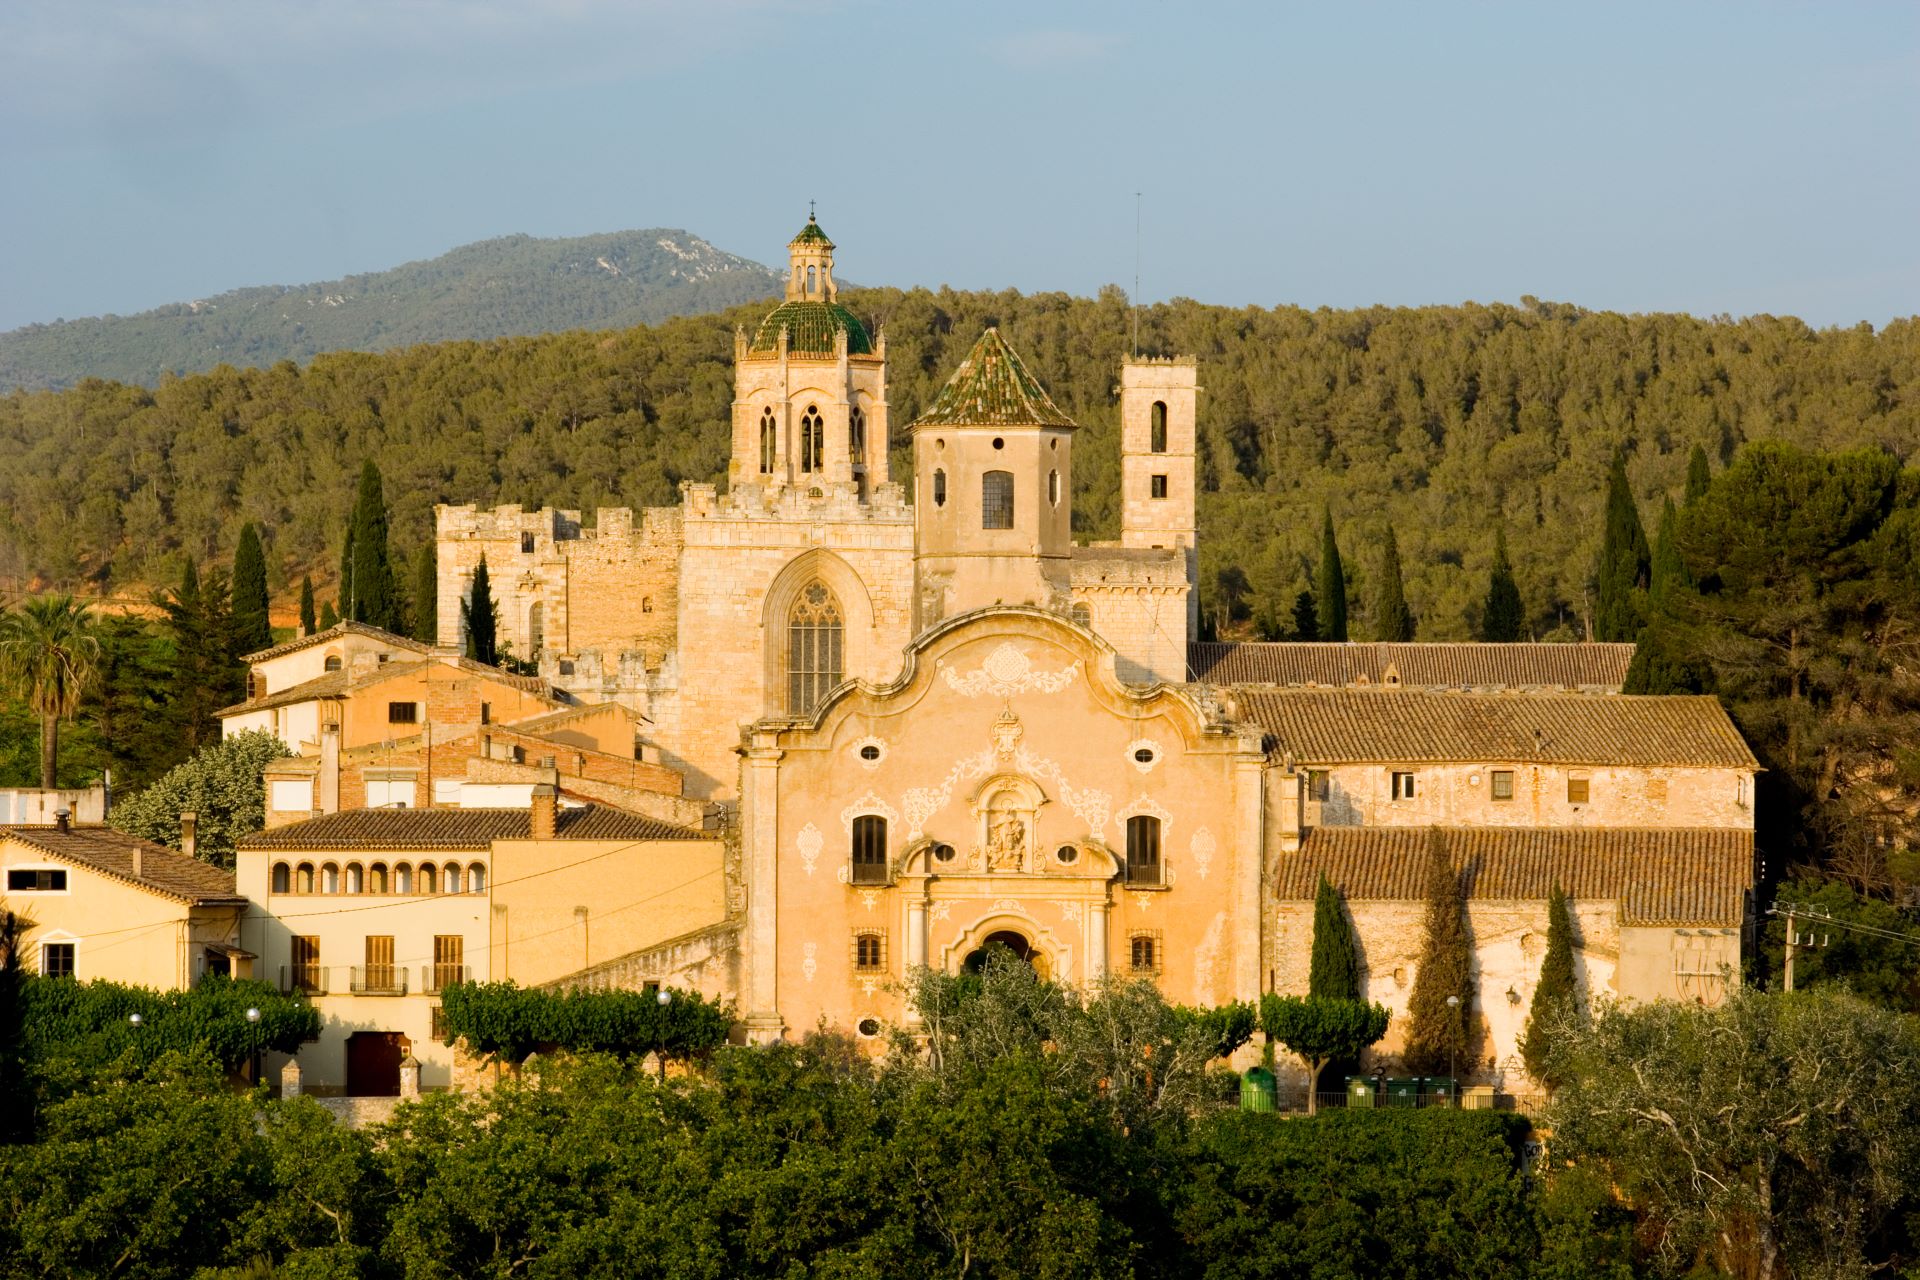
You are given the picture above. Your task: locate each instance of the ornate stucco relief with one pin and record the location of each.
(809, 842)
(1007, 671)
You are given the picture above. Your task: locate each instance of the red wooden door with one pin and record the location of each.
(373, 1063)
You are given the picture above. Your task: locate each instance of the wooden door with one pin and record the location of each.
(373, 1063)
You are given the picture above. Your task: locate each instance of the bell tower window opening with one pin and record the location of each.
(769, 438)
(810, 280)
(815, 662)
(869, 849)
(813, 441)
(1157, 432)
(940, 488)
(857, 435)
(996, 500)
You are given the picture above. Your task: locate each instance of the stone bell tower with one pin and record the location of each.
(1158, 406)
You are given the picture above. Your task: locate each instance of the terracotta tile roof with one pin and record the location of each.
(1451, 666)
(338, 684)
(457, 829)
(1396, 726)
(1685, 876)
(334, 633)
(109, 852)
(334, 684)
(992, 388)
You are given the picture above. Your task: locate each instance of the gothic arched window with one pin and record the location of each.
(1158, 432)
(857, 434)
(813, 440)
(814, 660)
(996, 500)
(769, 435)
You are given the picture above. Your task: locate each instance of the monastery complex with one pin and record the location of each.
(824, 723)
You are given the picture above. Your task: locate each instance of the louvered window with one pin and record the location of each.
(869, 849)
(1143, 850)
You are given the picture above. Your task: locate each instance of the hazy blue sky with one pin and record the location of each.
(1675, 156)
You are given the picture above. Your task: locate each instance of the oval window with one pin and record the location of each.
(868, 1027)
(1144, 755)
(998, 443)
(870, 752)
(1066, 855)
(943, 853)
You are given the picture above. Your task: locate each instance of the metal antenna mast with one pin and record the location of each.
(1136, 273)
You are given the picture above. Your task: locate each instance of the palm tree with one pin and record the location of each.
(47, 654)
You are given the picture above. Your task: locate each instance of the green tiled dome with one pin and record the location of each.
(810, 328)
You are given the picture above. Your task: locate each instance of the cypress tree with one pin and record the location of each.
(252, 631)
(426, 595)
(1503, 619)
(1625, 563)
(1437, 1038)
(481, 617)
(1668, 571)
(1333, 974)
(329, 618)
(1306, 617)
(308, 622)
(1331, 595)
(344, 596)
(1393, 621)
(1553, 999)
(374, 599)
(205, 674)
(1699, 474)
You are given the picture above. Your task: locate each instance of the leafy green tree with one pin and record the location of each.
(1760, 1134)
(1334, 972)
(373, 596)
(505, 1021)
(1663, 662)
(252, 631)
(16, 1118)
(482, 617)
(1554, 999)
(1393, 621)
(1624, 567)
(1699, 474)
(1439, 1035)
(48, 656)
(220, 783)
(426, 594)
(1330, 594)
(1503, 619)
(1321, 1029)
(309, 622)
(1870, 960)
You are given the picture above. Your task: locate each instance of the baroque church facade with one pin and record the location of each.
(932, 720)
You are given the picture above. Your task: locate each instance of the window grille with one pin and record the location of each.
(1143, 953)
(1503, 784)
(996, 500)
(869, 951)
(869, 849)
(404, 712)
(1319, 784)
(815, 663)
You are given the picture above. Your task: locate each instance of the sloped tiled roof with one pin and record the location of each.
(458, 829)
(1445, 666)
(334, 633)
(1405, 726)
(162, 871)
(1688, 876)
(992, 388)
(338, 684)
(811, 234)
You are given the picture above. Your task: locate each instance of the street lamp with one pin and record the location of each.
(134, 1020)
(253, 1045)
(1453, 1042)
(663, 996)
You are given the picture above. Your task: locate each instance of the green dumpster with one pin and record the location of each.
(1442, 1091)
(1402, 1091)
(1256, 1090)
(1360, 1090)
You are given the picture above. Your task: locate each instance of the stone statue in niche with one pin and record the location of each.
(1006, 843)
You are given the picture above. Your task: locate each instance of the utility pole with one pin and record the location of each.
(1790, 946)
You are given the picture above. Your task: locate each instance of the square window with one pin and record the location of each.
(526, 544)
(1577, 790)
(56, 959)
(1143, 953)
(1158, 487)
(1318, 784)
(1403, 788)
(869, 951)
(403, 713)
(1503, 784)
(36, 880)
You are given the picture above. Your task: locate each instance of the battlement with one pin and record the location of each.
(510, 521)
(1177, 362)
(827, 502)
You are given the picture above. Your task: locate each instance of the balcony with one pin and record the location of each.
(378, 980)
(434, 977)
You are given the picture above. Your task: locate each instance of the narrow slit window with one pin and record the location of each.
(939, 488)
(769, 437)
(857, 434)
(1158, 487)
(813, 441)
(1157, 431)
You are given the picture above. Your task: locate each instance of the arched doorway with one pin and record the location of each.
(1017, 943)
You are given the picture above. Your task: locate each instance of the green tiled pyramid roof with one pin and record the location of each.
(811, 234)
(991, 388)
(810, 328)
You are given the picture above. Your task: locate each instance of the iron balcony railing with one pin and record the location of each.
(434, 977)
(378, 980)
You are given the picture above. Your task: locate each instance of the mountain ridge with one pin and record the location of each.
(505, 286)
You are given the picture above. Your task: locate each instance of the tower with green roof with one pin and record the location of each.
(810, 390)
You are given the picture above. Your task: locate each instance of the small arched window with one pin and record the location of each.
(1157, 432)
(329, 879)
(769, 438)
(813, 441)
(356, 878)
(646, 604)
(809, 279)
(303, 878)
(450, 878)
(377, 878)
(869, 849)
(476, 879)
(429, 877)
(332, 663)
(282, 878)
(536, 628)
(996, 500)
(1081, 614)
(1143, 850)
(939, 488)
(815, 662)
(1053, 487)
(403, 878)
(857, 434)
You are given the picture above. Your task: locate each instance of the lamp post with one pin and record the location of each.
(1453, 1043)
(253, 1046)
(134, 1020)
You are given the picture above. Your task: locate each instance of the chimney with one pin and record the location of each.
(545, 799)
(139, 863)
(189, 829)
(61, 819)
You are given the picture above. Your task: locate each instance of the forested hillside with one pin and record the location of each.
(1445, 422)
(512, 285)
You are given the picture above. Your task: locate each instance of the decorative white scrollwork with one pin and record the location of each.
(809, 842)
(869, 803)
(810, 960)
(870, 897)
(1007, 671)
(1201, 847)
